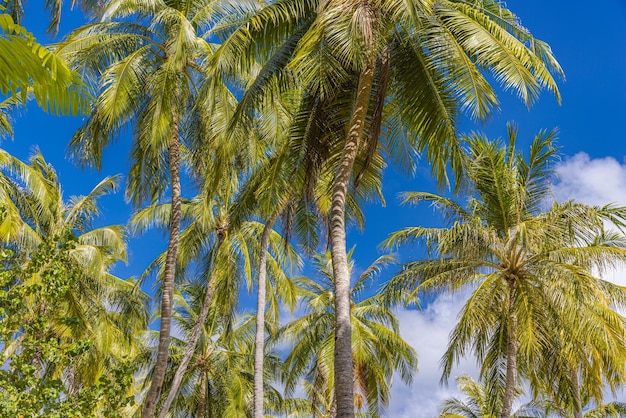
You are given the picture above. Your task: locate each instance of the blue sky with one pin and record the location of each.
(588, 40)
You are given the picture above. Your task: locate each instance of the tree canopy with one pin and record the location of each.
(257, 132)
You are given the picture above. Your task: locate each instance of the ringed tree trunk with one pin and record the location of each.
(578, 407)
(259, 339)
(511, 356)
(200, 410)
(344, 391)
(195, 334)
(154, 392)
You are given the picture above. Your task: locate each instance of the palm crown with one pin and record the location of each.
(108, 310)
(378, 350)
(415, 65)
(532, 269)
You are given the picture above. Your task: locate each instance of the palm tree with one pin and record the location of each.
(218, 381)
(224, 249)
(99, 306)
(610, 410)
(378, 350)
(28, 69)
(148, 58)
(422, 60)
(292, 184)
(532, 270)
(482, 400)
(296, 189)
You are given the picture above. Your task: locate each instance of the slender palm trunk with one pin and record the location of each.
(344, 391)
(154, 392)
(578, 408)
(193, 338)
(202, 398)
(259, 339)
(11, 349)
(511, 356)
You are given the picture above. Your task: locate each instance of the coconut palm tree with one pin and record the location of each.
(377, 347)
(96, 305)
(422, 60)
(28, 69)
(147, 59)
(224, 250)
(482, 400)
(217, 381)
(532, 269)
(292, 185)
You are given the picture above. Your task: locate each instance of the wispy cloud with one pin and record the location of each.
(594, 181)
(427, 331)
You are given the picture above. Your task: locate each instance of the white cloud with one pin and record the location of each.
(595, 181)
(427, 331)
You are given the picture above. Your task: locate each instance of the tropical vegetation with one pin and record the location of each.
(256, 133)
(537, 310)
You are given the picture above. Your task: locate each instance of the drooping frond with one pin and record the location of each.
(28, 66)
(518, 257)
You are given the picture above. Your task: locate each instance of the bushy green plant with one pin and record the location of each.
(35, 379)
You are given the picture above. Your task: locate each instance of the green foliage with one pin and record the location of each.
(29, 386)
(377, 348)
(67, 326)
(478, 402)
(70, 330)
(28, 67)
(534, 274)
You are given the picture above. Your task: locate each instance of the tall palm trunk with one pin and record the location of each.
(200, 410)
(168, 278)
(195, 335)
(578, 408)
(511, 356)
(73, 385)
(344, 391)
(259, 339)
